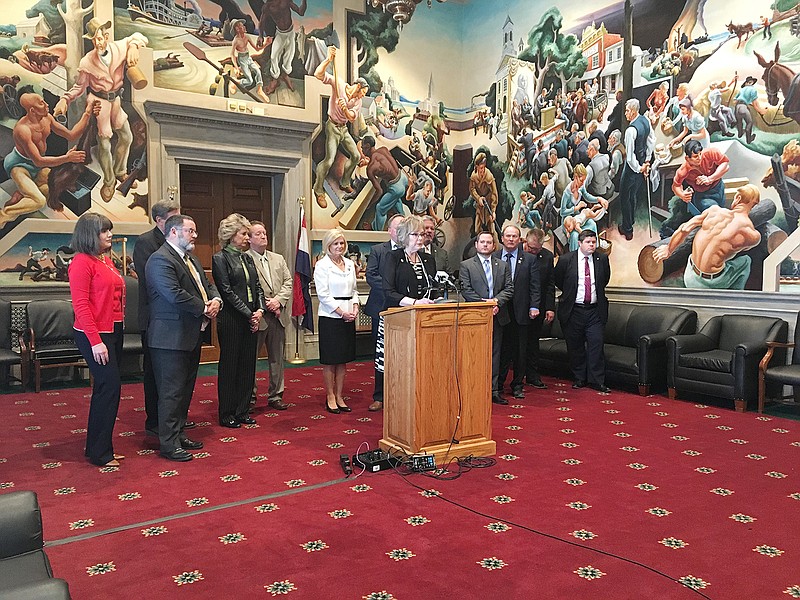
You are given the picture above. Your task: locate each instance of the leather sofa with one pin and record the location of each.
(722, 358)
(634, 347)
(25, 572)
(778, 373)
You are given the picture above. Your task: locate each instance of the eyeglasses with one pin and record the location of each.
(416, 234)
(189, 229)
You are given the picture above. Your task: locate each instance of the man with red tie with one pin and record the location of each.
(582, 276)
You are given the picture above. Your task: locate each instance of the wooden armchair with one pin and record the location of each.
(50, 339)
(780, 374)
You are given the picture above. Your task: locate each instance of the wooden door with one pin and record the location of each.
(210, 196)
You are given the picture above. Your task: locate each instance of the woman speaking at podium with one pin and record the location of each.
(408, 276)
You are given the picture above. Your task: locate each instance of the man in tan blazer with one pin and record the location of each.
(276, 281)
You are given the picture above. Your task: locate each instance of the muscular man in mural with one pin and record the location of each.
(101, 75)
(386, 176)
(248, 72)
(483, 189)
(715, 261)
(640, 141)
(698, 182)
(343, 108)
(276, 19)
(27, 164)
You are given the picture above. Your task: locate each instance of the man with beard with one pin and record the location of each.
(182, 303)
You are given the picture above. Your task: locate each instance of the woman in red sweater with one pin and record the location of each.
(98, 299)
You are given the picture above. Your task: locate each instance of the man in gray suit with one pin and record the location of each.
(486, 278)
(182, 303)
(276, 281)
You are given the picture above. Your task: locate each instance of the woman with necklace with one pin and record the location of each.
(407, 276)
(98, 300)
(335, 281)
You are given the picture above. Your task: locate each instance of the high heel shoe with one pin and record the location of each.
(335, 411)
(344, 409)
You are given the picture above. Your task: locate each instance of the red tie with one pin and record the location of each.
(587, 283)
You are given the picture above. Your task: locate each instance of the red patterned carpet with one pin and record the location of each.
(593, 496)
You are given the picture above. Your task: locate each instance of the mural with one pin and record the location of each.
(690, 181)
(252, 50)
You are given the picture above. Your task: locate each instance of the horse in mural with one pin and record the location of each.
(778, 77)
(739, 31)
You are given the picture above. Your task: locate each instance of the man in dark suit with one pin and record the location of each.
(523, 306)
(182, 303)
(547, 304)
(582, 276)
(146, 244)
(376, 299)
(440, 256)
(486, 278)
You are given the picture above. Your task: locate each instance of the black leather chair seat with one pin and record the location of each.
(24, 568)
(786, 374)
(132, 343)
(555, 350)
(711, 360)
(57, 352)
(707, 375)
(46, 589)
(8, 357)
(621, 358)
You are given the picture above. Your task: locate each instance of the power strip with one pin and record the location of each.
(424, 462)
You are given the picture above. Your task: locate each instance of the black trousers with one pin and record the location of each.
(497, 345)
(175, 372)
(532, 356)
(237, 363)
(584, 336)
(513, 353)
(105, 395)
(150, 389)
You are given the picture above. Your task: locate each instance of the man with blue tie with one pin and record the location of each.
(523, 306)
(582, 276)
(486, 278)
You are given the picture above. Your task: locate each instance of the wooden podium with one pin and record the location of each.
(438, 367)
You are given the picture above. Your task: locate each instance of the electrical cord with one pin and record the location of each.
(471, 462)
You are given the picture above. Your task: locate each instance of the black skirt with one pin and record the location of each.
(337, 341)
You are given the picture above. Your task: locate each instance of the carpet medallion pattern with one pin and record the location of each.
(608, 496)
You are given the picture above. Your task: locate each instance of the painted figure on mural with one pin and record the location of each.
(723, 234)
(101, 75)
(343, 108)
(640, 141)
(386, 177)
(483, 189)
(720, 113)
(27, 163)
(36, 264)
(745, 98)
(247, 71)
(276, 20)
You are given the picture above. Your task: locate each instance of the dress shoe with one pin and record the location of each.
(344, 408)
(498, 399)
(179, 454)
(230, 422)
(246, 420)
(579, 384)
(189, 425)
(188, 444)
(518, 393)
(628, 236)
(538, 384)
(601, 387)
(375, 406)
(335, 411)
(278, 404)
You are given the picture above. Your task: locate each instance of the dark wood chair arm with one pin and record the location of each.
(780, 344)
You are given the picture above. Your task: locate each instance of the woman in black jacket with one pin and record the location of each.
(236, 279)
(408, 276)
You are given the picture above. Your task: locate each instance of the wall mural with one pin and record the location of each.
(707, 188)
(251, 50)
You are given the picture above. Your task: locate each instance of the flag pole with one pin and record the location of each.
(297, 360)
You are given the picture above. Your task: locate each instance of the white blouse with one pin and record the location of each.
(331, 283)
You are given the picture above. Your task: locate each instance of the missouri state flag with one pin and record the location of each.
(301, 301)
